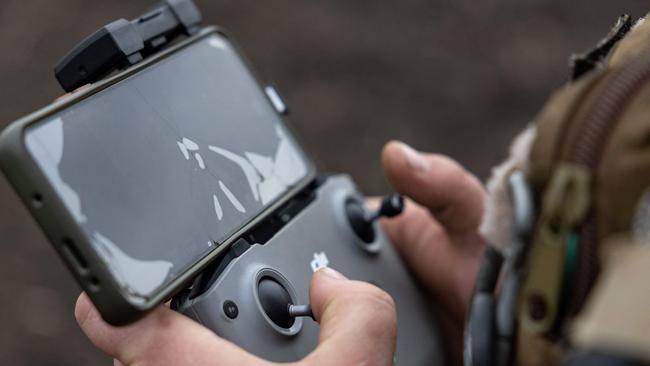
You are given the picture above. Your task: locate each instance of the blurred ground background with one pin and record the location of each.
(458, 77)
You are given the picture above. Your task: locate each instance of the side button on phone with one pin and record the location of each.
(277, 101)
(74, 256)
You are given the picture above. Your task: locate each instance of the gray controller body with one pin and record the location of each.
(318, 235)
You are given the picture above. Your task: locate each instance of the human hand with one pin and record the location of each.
(437, 234)
(357, 327)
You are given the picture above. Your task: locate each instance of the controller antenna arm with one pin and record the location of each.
(123, 43)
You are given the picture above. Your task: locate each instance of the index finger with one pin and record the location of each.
(163, 337)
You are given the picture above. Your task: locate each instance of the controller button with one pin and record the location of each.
(275, 301)
(230, 309)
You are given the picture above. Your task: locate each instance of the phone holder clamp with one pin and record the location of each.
(123, 43)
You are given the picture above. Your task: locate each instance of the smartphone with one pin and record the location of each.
(140, 180)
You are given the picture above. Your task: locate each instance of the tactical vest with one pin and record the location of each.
(577, 263)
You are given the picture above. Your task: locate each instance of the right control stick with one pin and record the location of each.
(362, 221)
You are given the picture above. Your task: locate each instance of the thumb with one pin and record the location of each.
(453, 195)
(358, 321)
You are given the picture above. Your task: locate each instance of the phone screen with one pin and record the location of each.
(161, 167)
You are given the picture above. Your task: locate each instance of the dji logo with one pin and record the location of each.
(320, 261)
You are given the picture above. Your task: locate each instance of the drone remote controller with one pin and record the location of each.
(245, 298)
(256, 293)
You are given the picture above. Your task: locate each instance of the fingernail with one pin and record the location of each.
(82, 310)
(328, 272)
(414, 159)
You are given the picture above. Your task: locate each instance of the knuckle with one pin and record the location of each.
(379, 312)
(374, 299)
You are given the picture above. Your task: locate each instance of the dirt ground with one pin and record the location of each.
(456, 77)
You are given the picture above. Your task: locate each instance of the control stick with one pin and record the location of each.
(362, 221)
(277, 304)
